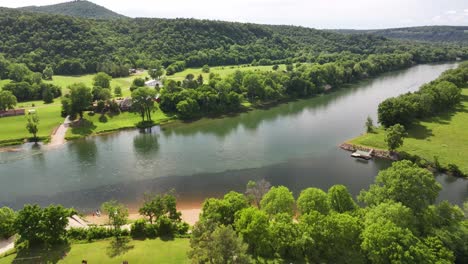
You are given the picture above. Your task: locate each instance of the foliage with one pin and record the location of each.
(101, 79)
(403, 182)
(369, 125)
(156, 206)
(278, 200)
(252, 225)
(340, 199)
(313, 199)
(7, 221)
(25, 91)
(7, 100)
(33, 125)
(143, 102)
(48, 73)
(79, 100)
(223, 211)
(42, 226)
(117, 214)
(394, 136)
(256, 190)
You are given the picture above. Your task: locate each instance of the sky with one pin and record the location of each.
(330, 14)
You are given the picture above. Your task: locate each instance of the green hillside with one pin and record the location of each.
(77, 8)
(428, 33)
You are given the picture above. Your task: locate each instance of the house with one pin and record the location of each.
(12, 112)
(125, 104)
(154, 83)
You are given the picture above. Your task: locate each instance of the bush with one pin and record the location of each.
(152, 231)
(99, 233)
(455, 171)
(77, 233)
(138, 229)
(165, 226)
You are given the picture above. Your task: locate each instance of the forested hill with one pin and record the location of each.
(77, 8)
(428, 33)
(74, 45)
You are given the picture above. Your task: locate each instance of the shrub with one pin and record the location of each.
(138, 229)
(77, 233)
(165, 226)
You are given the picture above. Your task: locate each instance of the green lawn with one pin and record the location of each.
(97, 123)
(14, 128)
(444, 136)
(221, 70)
(109, 251)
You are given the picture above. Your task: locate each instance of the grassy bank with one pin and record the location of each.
(444, 136)
(13, 129)
(108, 251)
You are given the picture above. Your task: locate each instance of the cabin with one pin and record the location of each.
(125, 104)
(153, 83)
(359, 154)
(12, 112)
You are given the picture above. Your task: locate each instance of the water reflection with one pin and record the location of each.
(146, 142)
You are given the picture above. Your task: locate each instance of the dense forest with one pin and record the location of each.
(77, 8)
(76, 45)
(427, 33)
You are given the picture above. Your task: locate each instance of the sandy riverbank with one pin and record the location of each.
(190, 214)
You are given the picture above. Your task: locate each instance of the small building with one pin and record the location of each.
(12, 112)
(125, 104)
(153, 83)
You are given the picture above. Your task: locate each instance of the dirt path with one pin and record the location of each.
(58, 137)
(6, 245)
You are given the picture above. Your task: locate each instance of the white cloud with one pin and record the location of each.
(451, 12)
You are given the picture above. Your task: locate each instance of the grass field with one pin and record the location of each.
(221, 70)
(108, 251)
(13, 129)
(444, 136)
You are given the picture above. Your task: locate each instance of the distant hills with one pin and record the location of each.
(77, 8)
(427, 33)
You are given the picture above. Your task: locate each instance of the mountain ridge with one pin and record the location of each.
(76, 8)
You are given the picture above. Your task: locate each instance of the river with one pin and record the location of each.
(293, 144)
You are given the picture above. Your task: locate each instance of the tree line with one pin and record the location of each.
(73, 45)
(400, 223)
(440, 95)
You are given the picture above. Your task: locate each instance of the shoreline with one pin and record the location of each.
(379, 153)
(190, 213)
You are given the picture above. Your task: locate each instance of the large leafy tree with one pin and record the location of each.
(394, 136)
(222, 245)
(81, 99)
(155, 206)
(117, 213)
(278, 200)
(19, 72)
(143, 102)
(340, 199)
(403, 182)
(256, 190)
(32, 125)
(102, 80)
(223, 211)
(313, 199)
(7, 100)
(7, 221)
(40, 226)
(252, 224)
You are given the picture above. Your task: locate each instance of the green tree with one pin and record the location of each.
(143, 102)
(102, 80)
(340, 199)
(275, 67)
(48, 73)
(278, 200)
(7, 221)
(206, 68)
(118, 91)
(313, 199)
(223, 211)
(284, 235)
(41, 226)
(7, 100)
(256, 190)
(403, 182)
(394, 136)
(252, 224)
(188, 108)
(117, 213)
(156, 70)
(222, 246)
(81, 99)
(18, 72)
(369, 125)
(33, 125)
(153, 207)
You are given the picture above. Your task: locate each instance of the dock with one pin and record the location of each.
(359, 154)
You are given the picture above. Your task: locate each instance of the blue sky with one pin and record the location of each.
(357, 14)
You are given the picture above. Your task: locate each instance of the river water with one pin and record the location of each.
(293, 144)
